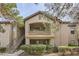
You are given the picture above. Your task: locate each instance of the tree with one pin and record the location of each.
(6, 9)
(9, 10)
(62, 10)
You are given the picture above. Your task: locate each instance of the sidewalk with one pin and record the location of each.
(13, 54)
(51, 54)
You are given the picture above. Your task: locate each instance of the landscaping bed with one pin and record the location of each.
(2, 49)
(68, 50)
(39, 49)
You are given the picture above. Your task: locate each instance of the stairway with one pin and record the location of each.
(12, 48)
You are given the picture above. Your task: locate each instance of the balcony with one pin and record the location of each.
(39, 33)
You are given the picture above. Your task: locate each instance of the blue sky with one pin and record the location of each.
(26, 9)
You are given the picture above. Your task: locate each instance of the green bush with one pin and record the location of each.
(26, 48)
(71, 44)
(38, 49)
(2, 49)
(34, 49)
(55, 49)
(62, 50)
(49, 48)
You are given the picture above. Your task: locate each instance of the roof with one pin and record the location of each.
(69, 22)
(41, 12)
(2, 20)
(49, 16)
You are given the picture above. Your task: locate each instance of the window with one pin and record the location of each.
(72, 32)
(72, 25)
(37, 27)
(38, 41)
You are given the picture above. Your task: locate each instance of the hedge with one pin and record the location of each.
(34, 49)
(2, 49)
(38, 49)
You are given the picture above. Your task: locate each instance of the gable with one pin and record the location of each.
(43, 14)
(39, 18)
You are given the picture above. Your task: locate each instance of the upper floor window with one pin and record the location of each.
(39, 27)
(72, 25)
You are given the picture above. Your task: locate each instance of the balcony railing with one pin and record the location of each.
(39, 32)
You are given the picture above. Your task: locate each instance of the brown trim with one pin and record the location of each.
(10, 21)
(64, 22)
(5, 22)
(49, 16)
(69, 22)
(32, 15)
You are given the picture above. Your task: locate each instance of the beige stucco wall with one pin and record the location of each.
(77, 33)
(35, 19)
(77, 30)
(64, 34)
(10, 37)
(61, 37)
(5, 37)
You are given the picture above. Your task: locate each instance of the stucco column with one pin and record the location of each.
(27, 41)
(52, 39)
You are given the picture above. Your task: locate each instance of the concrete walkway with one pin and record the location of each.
(51, 54)
(14, 54)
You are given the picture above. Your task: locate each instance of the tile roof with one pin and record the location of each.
(2, 20)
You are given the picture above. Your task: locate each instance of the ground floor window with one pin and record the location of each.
(39, 41)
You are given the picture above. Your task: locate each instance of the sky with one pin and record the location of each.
(26, 9)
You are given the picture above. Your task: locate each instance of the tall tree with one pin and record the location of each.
(62, 10)
(6, 9)
(9, 10)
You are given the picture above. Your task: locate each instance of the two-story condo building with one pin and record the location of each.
(40, 28)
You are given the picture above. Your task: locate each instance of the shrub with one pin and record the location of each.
(26, 48)
(62, 50)
(55, 49)
(71, 44)
(34, 49)
(49, 48)
(38, 49)
(2, 49)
